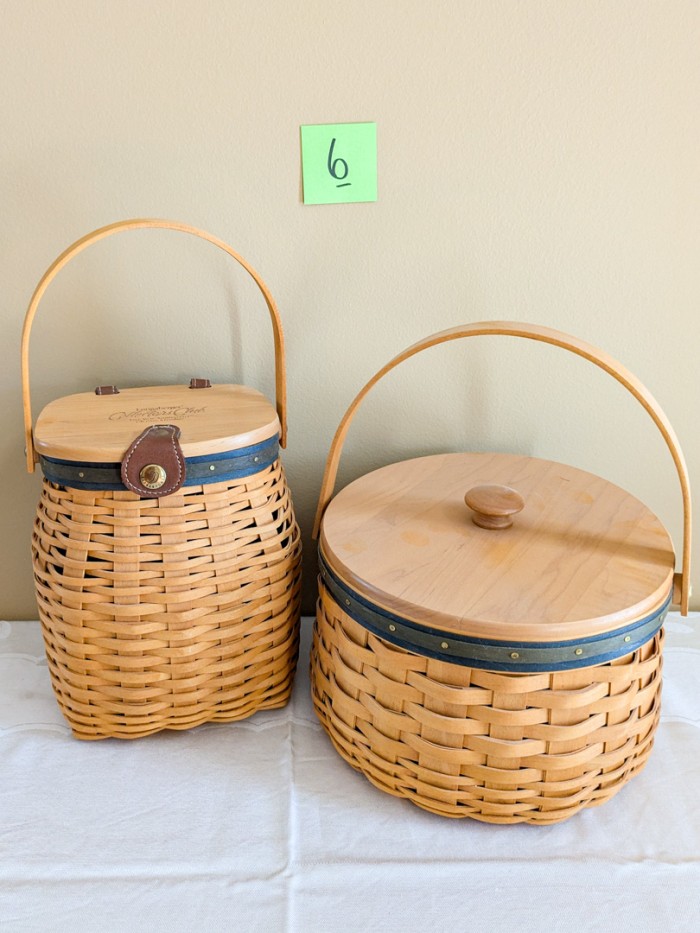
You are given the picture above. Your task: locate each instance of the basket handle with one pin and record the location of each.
(120, 226)
(557, 339)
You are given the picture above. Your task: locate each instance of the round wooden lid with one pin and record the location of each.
(581, 556)
(100, 428)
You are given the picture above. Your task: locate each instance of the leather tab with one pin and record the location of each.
(199, 383)
(106, 390)
(154, 466)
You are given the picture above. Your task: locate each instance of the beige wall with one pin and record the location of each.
(537, 161)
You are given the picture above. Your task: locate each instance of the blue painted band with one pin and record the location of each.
(212, 468)
(518, 657)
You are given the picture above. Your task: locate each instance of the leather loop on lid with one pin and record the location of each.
(32, 454)
(106, 390)
(154, 466)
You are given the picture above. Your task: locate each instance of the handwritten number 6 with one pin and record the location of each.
(333, 167)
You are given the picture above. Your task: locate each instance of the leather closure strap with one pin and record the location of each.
(154, 466)
(209, 468)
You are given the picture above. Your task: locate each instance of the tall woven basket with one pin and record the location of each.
(489, 626)
(166, 553)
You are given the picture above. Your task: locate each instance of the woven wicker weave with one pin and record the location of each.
(502, 748)
(504, 667)
(167, 613)
(164, 606)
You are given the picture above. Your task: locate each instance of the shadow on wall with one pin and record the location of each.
(19, 494)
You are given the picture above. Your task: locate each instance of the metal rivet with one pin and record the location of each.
(578, 651)
(392, 628)
(81, 475)
(514, 655)
(347, 602)
(152, 476)
(628, 638)
(444, 644)
(255, 459)
(212, 467)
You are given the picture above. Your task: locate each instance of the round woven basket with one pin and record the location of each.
(501, 748)
(165, 611)
(506, 668)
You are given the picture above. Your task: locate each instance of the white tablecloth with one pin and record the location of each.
(260, 825)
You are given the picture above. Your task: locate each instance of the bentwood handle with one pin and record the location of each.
(119, 227)
(557, 339)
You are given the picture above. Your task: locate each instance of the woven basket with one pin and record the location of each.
(166, 612)
(455, 717)
(502, 748)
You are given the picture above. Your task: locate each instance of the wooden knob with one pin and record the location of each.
(494, 506)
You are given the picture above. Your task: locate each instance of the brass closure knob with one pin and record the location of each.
(494, 506)
(152, 476)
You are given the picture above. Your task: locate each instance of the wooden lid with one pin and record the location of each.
(100, 428)
(582, 557)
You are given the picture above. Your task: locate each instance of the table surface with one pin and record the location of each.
(260, 825)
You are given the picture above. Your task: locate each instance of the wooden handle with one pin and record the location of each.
(494, 506)
(557, 339)
(79, 246)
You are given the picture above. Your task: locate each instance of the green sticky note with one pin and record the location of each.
(339, 163)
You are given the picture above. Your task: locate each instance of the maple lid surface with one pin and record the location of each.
(582, 557)
(100, 428)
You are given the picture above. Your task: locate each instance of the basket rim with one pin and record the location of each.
(200, 470)
(518, 657)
